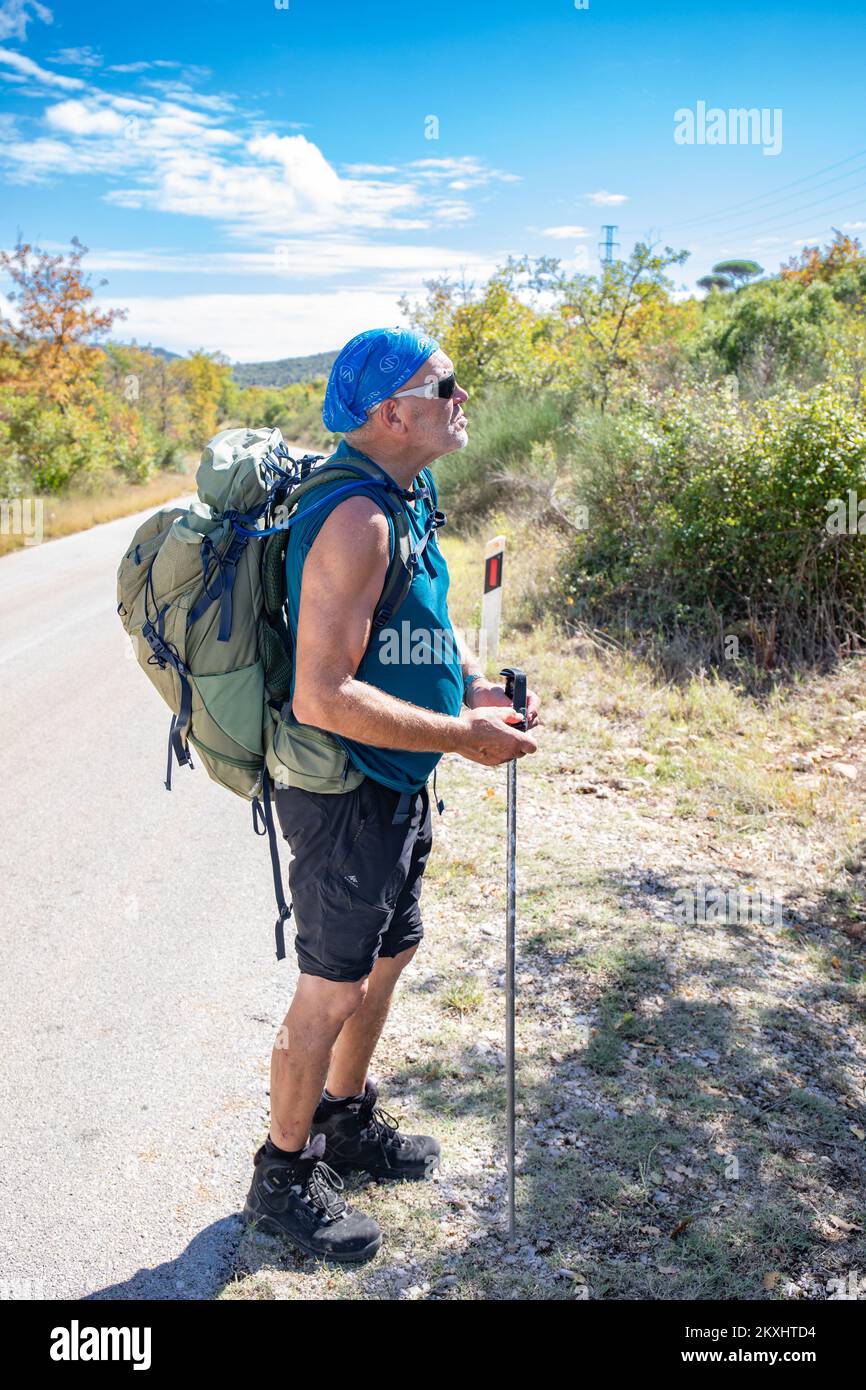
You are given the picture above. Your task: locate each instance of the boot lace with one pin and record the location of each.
(323, 1190)
(383, 1127)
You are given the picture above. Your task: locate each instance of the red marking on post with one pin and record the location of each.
(492, 572)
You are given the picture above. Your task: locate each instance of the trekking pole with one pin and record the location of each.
(515, 687)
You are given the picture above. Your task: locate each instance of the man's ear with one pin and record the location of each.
(390, 417)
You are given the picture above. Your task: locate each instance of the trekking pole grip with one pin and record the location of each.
(515, 688)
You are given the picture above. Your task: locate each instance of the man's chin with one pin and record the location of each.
(455, 439)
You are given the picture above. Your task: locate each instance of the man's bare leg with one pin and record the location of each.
(299, 1062)
(360, 1033)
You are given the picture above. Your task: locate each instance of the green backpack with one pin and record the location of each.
(202, 594)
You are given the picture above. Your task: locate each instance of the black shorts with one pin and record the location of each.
(355, 874)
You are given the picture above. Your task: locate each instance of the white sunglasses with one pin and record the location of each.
(442, 386)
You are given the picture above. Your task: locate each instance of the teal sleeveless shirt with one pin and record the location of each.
(414, 656)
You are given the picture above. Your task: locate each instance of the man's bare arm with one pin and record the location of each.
(342, 582)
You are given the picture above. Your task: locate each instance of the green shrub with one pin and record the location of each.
(704, 514)
(772, 335)
(46, 447)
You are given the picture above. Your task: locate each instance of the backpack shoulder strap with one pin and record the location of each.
(391, 498)
(408, 551)
(353, 475)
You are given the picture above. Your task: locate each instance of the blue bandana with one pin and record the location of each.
(369, 369)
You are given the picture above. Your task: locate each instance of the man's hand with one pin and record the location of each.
(483, 694)
(487, 736)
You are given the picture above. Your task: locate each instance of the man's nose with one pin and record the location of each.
(459, 394)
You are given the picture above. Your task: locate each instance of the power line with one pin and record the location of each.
(772, 195)
(851, 173)
(762, 223)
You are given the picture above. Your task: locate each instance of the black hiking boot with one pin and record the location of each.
(361, 1137)
(300, 1200)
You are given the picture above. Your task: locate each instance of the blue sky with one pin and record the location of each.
(262, 180)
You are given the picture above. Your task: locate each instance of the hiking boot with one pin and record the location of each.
(361, 1137)
(300, 1199)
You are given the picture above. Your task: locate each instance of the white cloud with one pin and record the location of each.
(85, 57)
(285, 182)
(15, 15)
(853, 226)
(34, 159)
(361, 169)
(466, 168)
(130, 67)
(604, 199)
(21, 64)
(77, 118)
(183, 92)
(401, 265)
(172, 157)
(566, 233)
(304, 166)
(252, 327)
(169, 149)
(453, 211)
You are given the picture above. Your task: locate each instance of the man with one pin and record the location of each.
(359, 856)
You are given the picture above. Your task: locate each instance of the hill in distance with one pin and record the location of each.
(149, 348)
(284, 372)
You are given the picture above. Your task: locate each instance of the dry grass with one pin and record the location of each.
(78, 510)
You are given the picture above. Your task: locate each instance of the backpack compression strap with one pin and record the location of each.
(264, 811)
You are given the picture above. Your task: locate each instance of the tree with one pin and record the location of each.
(500, 333)
(730, 275)
(772, 331)
(841, 265)
(714, 282)
(739, 272)
(202, 376)
(52, 334)
(618, 311)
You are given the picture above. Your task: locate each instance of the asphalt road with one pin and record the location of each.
(140, 992)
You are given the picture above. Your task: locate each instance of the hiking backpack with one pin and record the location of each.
(202, 594)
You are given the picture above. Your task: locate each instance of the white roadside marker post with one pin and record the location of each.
(491, 603)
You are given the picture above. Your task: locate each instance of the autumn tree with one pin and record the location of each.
(844, 253)
(50, 342)
(203, 378)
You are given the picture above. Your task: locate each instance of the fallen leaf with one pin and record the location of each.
(681, 1226)
(772, 1279)
(843, 1225)
(857, 1132)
